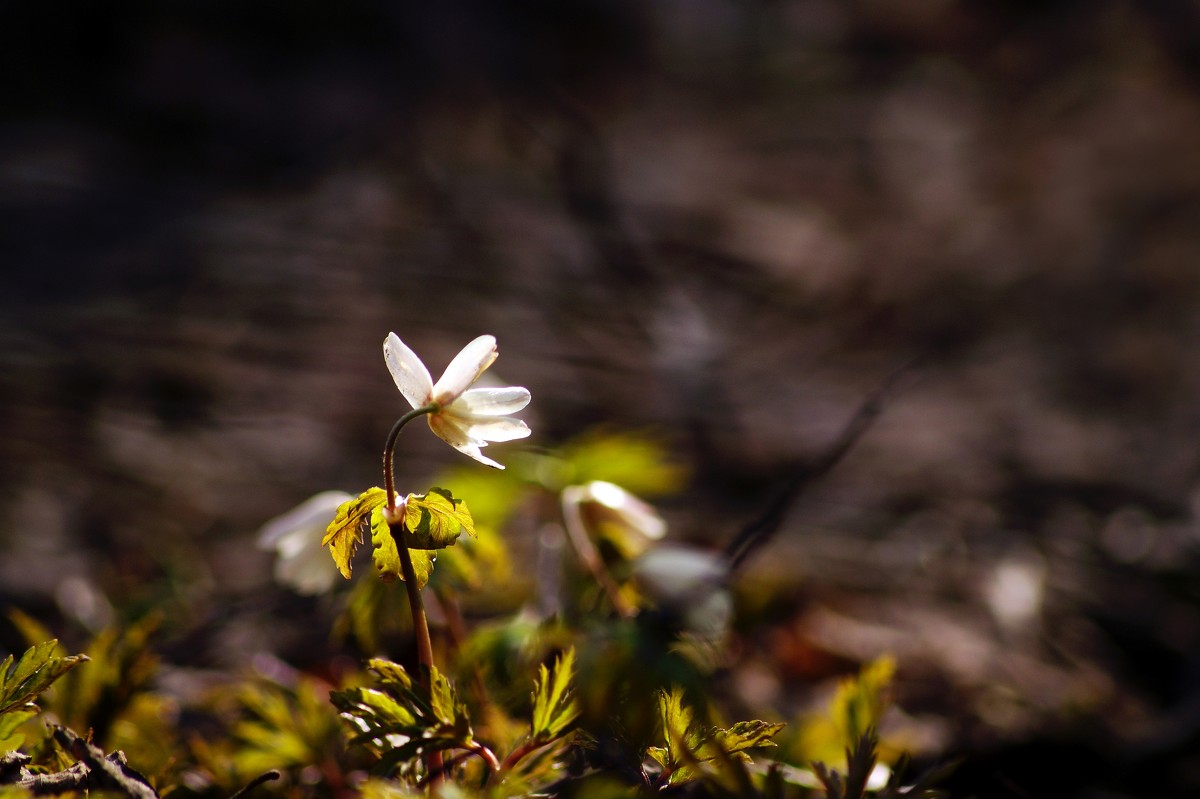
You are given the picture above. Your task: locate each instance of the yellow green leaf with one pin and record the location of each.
(860, 702)
(23, 678)
(676, 718)
(422, 564)
(386, 554)
(434, 520)
(554, 707)
(639, 463)
(10, 739)
(344, 533)
(469, 565)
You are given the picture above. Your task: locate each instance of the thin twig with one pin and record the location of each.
(763, 528)
(101, 770)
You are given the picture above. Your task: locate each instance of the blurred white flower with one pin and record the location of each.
(302, 563)
(610, 511)
(689, 583)
(466, 418)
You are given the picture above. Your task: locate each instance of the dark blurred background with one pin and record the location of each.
(725, 222)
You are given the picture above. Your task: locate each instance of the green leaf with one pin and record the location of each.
(693, 751)
(554, 707)
(422, 565)
(435, 520)
(676, 719)
(15, 792)
(10, 739)
(860, 702)
(494, 495)
(746, 735)
(344, 533)
(386, 789)
(283, 727)
(24, 678)
(386, 553)
(637, 462)
(401, 719)
(474, 563)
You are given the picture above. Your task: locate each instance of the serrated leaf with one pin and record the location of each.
(391, 673)
(441, 697)
(422, 565)
(435, 520)
(22, 679)
(693, 751)
(385, 553)
(660, 755)
(746, 735)
(676, 719)
(344, 533)
(554, 707)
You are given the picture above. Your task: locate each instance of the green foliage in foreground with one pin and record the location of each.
(607, 691)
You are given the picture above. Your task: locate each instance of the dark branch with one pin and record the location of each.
(257, 781)
(763, 529)
(104, 771)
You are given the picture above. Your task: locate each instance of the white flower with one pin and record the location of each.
(466, 418)
(689, 583)
(303, 564)
(612, 512)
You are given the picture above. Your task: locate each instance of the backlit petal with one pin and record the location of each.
(490, 428)
(314, 513)
(491, 401)
(411, 376)
(465, 369)
(448, 429)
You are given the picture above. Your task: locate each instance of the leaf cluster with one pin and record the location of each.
(403, 719)
(427, 522)
(694, 751)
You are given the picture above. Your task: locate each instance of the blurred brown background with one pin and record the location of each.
(727, 222)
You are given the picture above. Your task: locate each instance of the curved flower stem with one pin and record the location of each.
(389, 449)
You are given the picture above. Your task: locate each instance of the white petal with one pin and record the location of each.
(674, 574)
(411, 376)
(488, 428)
(447, 429)
(308, 570)
(465, 369)
(491, 401)
(635, 513)
(314, 513)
